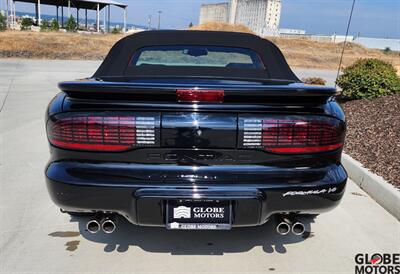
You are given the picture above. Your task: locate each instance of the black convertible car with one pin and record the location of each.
(195, 130)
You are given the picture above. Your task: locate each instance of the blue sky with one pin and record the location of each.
(375, 18)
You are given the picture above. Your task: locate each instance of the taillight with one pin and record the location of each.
(199, 95)
(299, 134)
(103, 131)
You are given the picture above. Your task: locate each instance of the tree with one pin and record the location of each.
(26, 23)
(45, 25)
(387, 50)
(54, 25)
(3, 22)
(190, 25)
(71, 24)
(115, 30)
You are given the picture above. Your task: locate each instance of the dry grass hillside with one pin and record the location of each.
(305, 53)
(299, 52)
(222, 27)
(55, 45)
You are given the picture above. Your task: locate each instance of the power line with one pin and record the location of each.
(345, 40)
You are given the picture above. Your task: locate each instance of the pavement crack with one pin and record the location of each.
(8, 92)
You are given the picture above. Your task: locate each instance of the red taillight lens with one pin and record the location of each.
(195, 95)
(102, 132)
(298, 135)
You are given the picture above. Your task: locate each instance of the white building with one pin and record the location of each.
(378, 43)
(273, 16)
(332, 38)
(214, 13)
(261, 16)
(295, 32)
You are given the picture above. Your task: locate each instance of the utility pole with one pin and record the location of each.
(125, 11)
(159, 19)
(12, 14)
(8, 18)
(104, 19)
(98, 17)
(108, 18)
(39, 14)
(149, 23)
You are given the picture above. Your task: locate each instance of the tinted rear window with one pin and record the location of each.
(197, 56)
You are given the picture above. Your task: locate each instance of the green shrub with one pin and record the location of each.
(368, 78)
(387, 50)
(71, 24)
(115, 30)
(314, 81)
(3, 22)
(54, 25)
(45, 25)
(26, 23)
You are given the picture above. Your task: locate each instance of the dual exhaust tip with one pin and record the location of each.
(105, 223)
(285, 226)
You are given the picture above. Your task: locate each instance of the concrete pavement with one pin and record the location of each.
(37, 238)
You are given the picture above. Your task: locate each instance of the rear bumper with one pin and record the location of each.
(123, 189)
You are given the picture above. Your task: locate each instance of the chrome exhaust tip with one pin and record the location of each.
(93, 226)
(298, 228)
(108, 225)
(283, 228)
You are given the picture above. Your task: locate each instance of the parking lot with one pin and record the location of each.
(36, 237)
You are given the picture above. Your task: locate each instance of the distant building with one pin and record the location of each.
(261, 16)
(341, 38)
(214, 13)
(295, 32)
(332, 38)
(273, 16)
(378, 43)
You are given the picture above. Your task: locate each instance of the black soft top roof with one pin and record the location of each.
(116, 64)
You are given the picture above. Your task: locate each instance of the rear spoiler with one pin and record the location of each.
(156, 91)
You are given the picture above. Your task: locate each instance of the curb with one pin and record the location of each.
(381, 191)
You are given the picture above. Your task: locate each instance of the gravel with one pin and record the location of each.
(373, 135)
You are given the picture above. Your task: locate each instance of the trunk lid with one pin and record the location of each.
(269, 117)
(271, 91)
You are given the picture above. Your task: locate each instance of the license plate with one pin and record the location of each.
(199, 215)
